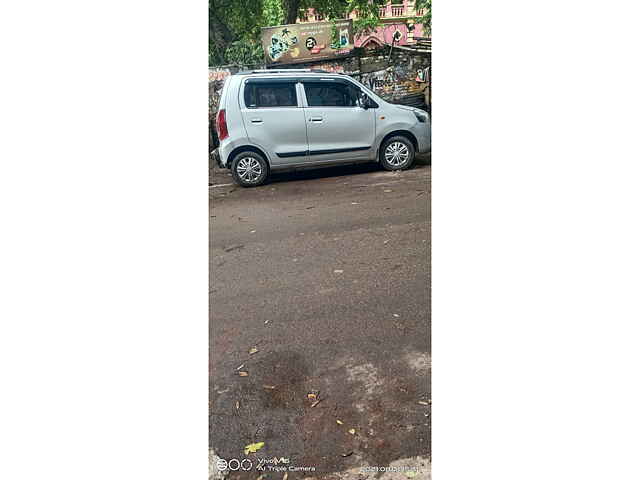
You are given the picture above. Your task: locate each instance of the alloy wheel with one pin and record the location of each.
(396, 154)
(249, 169)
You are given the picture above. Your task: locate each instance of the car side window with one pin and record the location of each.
(326, 94)
(264, 95)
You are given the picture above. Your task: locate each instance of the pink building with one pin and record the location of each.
(397, 19)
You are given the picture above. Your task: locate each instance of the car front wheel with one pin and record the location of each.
(397, 153)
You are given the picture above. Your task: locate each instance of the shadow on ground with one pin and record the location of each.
(421, 161)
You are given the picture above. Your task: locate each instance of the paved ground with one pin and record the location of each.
(326, 273)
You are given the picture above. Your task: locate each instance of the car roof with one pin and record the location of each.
(288, 72)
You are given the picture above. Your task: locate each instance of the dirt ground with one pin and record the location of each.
(320, 285)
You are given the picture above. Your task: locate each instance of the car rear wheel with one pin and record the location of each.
(249, 169)
(397, 153)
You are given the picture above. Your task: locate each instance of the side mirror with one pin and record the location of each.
(365, 101)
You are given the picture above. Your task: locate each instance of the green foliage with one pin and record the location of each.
(425, 19)
(365, 25)
(234, 25)
(272, 13)
(244, 52)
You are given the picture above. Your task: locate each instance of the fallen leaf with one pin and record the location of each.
(339, 422)
(240, 367)
(338, 271)
(285, 476)
(252, 231)
(316, 402)
(237, 405)
(423, 403)
(311, 396)
(352, 431)
(269, 387)
(388, 191)
(355, 203)
(253, 350)
(266, 321)
(243, 374)
(253, 447)
(396, 315)
(347, 454)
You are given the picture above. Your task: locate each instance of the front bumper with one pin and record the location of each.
(422, 132)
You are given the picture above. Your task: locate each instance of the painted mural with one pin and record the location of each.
(402, 79)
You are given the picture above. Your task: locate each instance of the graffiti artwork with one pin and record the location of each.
(281, 43)
(304, 42)
(218, 74)
(397, 81)
(311, 43)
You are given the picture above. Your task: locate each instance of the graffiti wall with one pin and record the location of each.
(405, 75)
(216, 81)
(402, 78)
(218, 74)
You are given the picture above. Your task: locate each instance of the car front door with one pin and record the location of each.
(274, 119)
(338, 128)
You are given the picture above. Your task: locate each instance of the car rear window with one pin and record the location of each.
(264, 95)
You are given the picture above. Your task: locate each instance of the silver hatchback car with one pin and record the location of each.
(271, 120)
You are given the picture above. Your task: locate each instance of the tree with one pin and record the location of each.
(425, 19)
(234, 30)
(234, 25)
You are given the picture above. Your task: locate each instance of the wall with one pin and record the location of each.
(384, 34)
(216, 80)
(403, 79)
(407, 75)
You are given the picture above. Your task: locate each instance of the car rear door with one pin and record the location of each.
(274, 119)
(338, 128)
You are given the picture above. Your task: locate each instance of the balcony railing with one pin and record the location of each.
(397, 11)
(382, 12)
(420, 12)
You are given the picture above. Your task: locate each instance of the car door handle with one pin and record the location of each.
(256, 120)
(315, 119)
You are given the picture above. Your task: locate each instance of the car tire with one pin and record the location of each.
(249, 169)
(397, 153)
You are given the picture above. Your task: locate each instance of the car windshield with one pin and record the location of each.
(366, 89)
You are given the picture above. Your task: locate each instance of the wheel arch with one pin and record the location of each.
(398, 133)
(247, 148)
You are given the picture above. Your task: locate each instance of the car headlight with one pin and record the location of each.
(422, 117)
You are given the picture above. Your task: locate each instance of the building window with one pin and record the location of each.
(397, 10)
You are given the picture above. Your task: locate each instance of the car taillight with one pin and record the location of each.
(221, 125)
